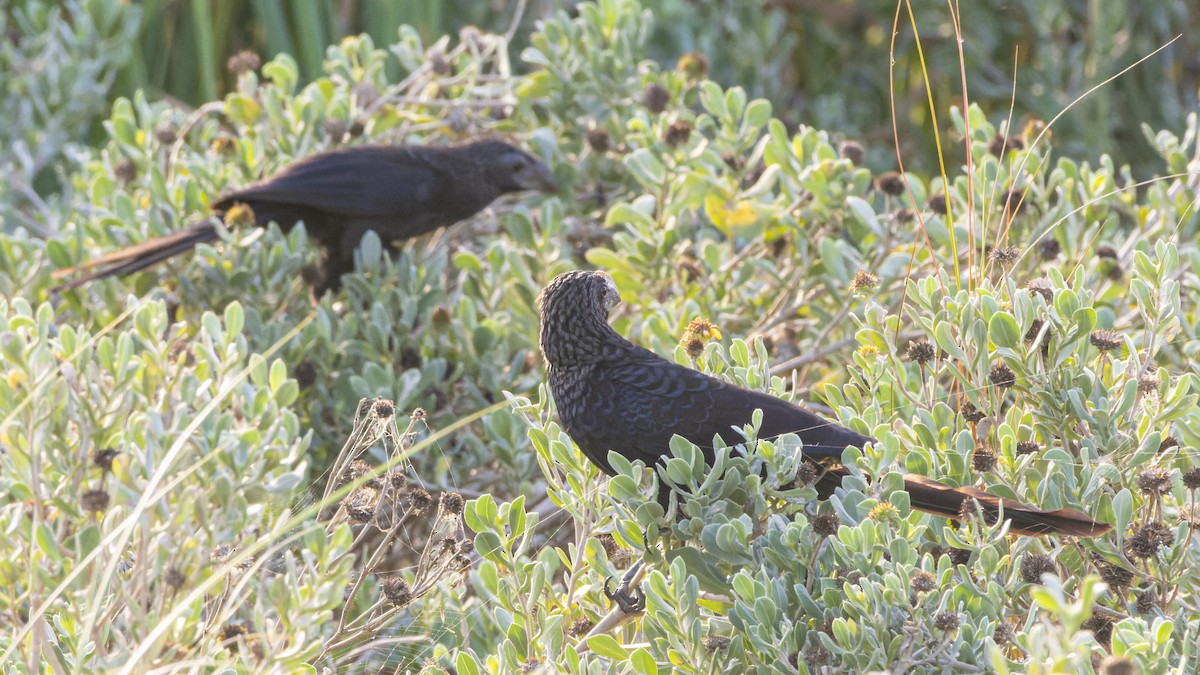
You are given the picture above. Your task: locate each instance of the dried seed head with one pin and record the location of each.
(580, 627)
(1006, 255)
(983, 460)
(305, 373)
(361, 504)
(357, 469)
(946, 621)
(693, 65)
(166, 134)
(1147, 383)
(853, 151)
(1035, 329)
(466, 547)
(815, 655)
(969, 412)
(1033, 566)
(864, 280)
(365, 93)
(1004, 633)
(655, 97)
(1191, 478)
(1191, 515)
(1168, 443)
(335, 128)
(1111, 268)
(921, 351)
(678, 133)
(1106, 252)
(1146, 540)
(460, 563)
(384, 409)
(959, 556)
(420, 500)
(1015, 201)
(923, 582)
(598, 141)
(1000, 145)
(716, 643)
(1101, 627)
(418, 414)
(608, 543)
(439, 64)
(1106, 340)
(694, 347)
(173, 578)
(220, 553)
(243, 62)
(1028, 447)
(937, 204)
(94, 501)
(396, 480)
(1049, 248)
(396, 591)
(904, 215)
(691, 270)
(825, 524)
(806, 474)
(452, 502)
(125, 171)
(1040, 286)
(231, 631)
(890, 183)
(1146, 601)
(1154, 481)
(1114, 575)
(1002, 376)
(1118, 665)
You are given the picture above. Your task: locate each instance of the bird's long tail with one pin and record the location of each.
(139, 256)
(939, 499)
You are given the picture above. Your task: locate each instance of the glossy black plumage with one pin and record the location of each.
(397, 191)
(612, 395)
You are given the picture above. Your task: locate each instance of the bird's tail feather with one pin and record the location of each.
(939, 499)
(139, 256)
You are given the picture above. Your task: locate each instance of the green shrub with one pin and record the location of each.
(218, 383)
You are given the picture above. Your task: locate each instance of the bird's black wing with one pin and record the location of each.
(654, 399)
(364, 182)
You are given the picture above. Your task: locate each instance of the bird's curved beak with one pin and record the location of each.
(613, 297)
(538, 177)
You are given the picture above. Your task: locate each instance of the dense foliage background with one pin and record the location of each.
(1026, 323)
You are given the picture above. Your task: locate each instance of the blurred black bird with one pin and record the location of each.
(397, 191)
(613, 395)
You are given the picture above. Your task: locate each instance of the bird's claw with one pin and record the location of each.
(630, 601)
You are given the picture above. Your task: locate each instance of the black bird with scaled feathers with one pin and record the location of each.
(398, 192)
(613, 395)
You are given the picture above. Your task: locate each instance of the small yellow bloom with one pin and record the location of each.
(729, 215)
(884, 512)
(703, 328)
(16, 378)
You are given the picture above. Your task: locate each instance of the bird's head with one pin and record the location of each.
(512, 169)
(574, 308)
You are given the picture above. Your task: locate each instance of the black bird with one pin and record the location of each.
(613, 395)
(397, 191)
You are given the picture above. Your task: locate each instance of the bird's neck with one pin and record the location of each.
(587, 340)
